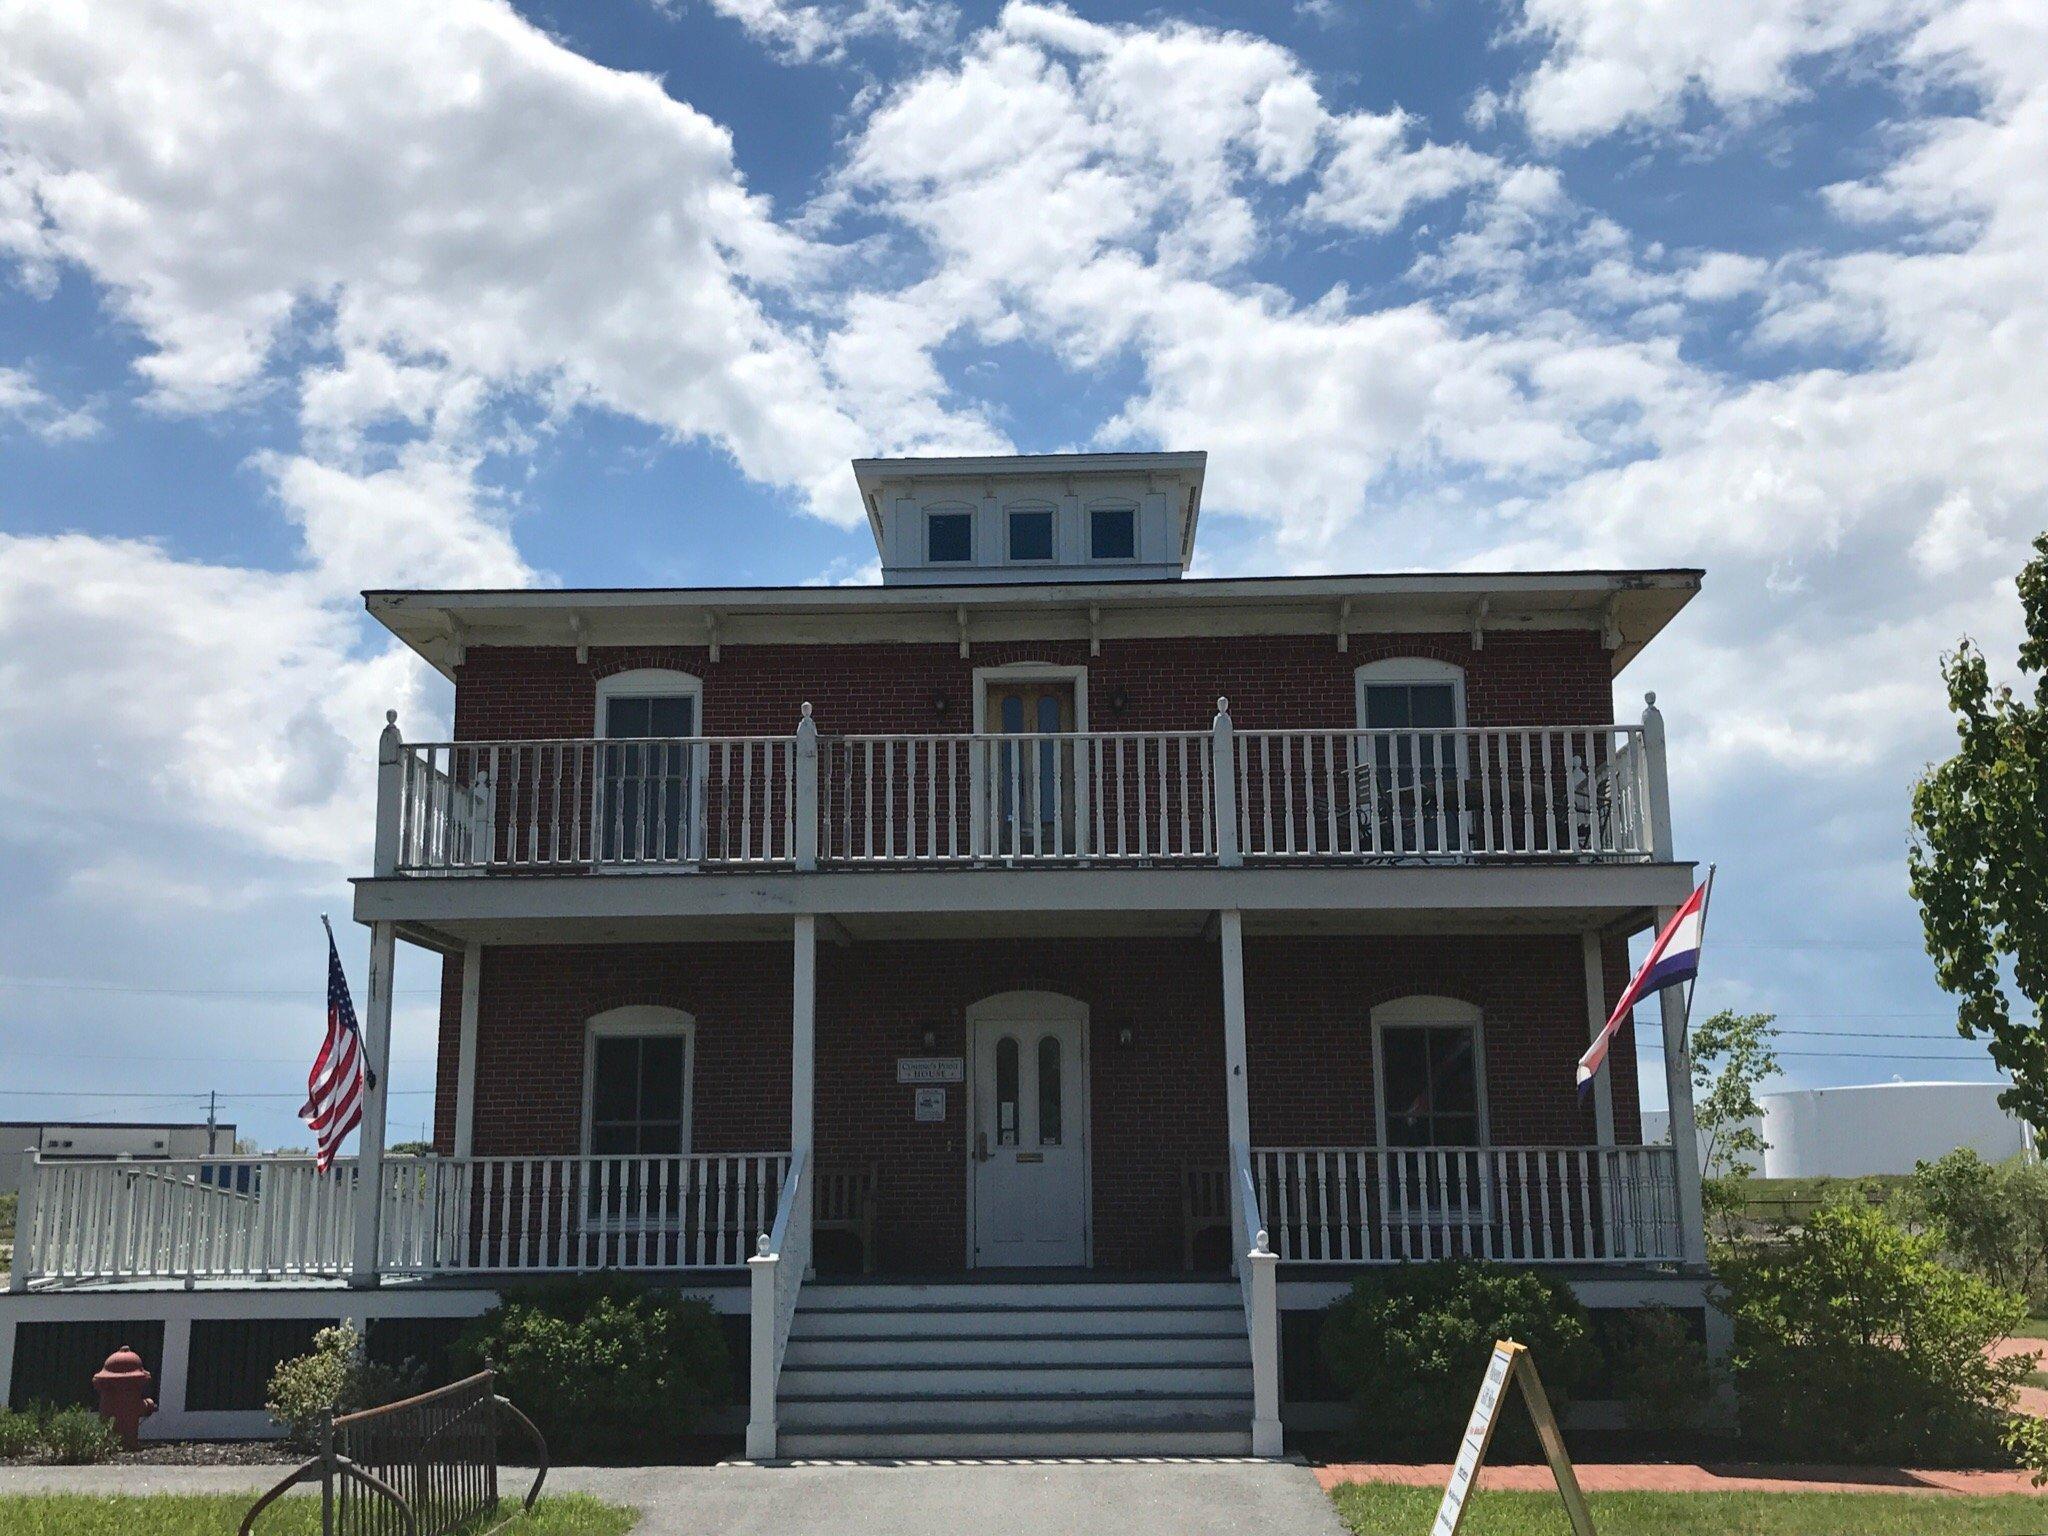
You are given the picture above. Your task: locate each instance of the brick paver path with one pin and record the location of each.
(1691, 1477)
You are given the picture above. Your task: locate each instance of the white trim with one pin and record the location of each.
(1410, 669)
(1030, 672)
(651, 683)
(1426, 1010)
(1027, 1007)
(639, 1019)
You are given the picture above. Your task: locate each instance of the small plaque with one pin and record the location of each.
(931, 1069)
(931, 1105)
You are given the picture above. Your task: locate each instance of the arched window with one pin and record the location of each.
(1429, 1073)
(1029, 528)
(1112, 533)
(1405, 693)
(637, 1064)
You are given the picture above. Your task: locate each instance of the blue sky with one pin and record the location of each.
(312, 298)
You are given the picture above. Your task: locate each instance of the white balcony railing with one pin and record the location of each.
(1219, 796)
(277, 1216)
(1517, 1205)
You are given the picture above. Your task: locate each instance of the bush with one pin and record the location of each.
(21, 1431)
(334, 1378)
(77, 1436)
(1990, 1218)
(1854, 1342)
(609, 1371)
(1409, 1345)
(1661, 1375)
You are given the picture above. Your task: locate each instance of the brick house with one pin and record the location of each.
(1021, 993)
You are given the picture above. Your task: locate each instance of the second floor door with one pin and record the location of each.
(1036, 785)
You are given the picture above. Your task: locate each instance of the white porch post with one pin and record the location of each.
(26, 1230)
(1596, 1020)
(176, 1365)
(803, 1047)
(1236, 1087)
(390, 796)
(1223, 772)
(370, 1135)
(805, 802)
(465, 1051)
(1685, 1153)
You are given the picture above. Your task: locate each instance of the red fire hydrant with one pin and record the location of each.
(123, 1387)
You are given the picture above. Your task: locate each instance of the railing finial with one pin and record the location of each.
(1650, 698)
(1222, 705)
(807, 709)
(761, 1245)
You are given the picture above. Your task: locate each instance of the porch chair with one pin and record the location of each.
(844, 1201)
(1204, 1206)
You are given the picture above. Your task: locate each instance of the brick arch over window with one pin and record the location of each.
(1404, 672)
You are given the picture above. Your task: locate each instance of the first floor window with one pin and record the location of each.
(636, 1095)
(1429, 1084)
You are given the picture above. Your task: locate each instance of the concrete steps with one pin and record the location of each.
(1016, 1368)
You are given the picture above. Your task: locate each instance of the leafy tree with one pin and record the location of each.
(1732, 1053)
(1979, 860)
(1990, 1218)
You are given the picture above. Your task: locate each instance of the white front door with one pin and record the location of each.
(1030, 1110)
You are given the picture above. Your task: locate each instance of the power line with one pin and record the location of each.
(67, 984)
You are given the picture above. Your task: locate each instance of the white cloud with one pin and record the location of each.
(1374, 178)
(475, 212)
(28, 405)
(1613, 63)
(802, 33)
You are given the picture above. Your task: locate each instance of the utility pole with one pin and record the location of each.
(212, 1118)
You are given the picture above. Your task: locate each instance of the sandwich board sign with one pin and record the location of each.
(1511, 1363)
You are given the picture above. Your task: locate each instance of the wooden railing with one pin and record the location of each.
(278, 1216)
(782, 1254)
(225, 1217)
(1258, 1286)
(1519, 792)
(1220, 796)
(1519, 1205)
(724, 801)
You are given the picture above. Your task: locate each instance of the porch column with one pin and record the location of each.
(1685, 1152)
(465, 1055)
(1596, 1020)
(803, 1074)
(1236, 1088)
(376, 1084)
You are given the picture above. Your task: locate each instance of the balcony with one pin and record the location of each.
(1219, 797)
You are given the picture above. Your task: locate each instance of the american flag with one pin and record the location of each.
(334, 1088)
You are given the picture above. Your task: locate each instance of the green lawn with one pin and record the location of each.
(1377, 1509)
(2032, 1328)
(77, 1514)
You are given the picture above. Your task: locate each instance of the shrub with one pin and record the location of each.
(77, 1436)
(1661, 1374)
(1854, 1342)
(334, 1378)
(609, 1371)
(21, 1430)
(1990, 1218)
(1409, 1346)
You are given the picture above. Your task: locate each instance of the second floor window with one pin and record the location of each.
(1113, 534)
(1031, 535)
(648, 768)
(949, 538)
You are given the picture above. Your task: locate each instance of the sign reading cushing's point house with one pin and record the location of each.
(1511, 1362)
(931, 1069)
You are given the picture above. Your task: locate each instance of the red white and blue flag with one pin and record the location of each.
(334, 1088)
(1675, 957)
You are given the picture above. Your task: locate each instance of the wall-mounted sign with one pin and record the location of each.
(931, 1105)
(931, 1069)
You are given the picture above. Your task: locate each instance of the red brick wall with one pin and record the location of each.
(1272, 681)
(1154, 1102)
(1308, 1027)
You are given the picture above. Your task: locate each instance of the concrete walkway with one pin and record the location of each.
(1692, 1477)
(989, 1498)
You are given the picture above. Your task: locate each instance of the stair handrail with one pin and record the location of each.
(777, 1268)
(1258, 1283)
